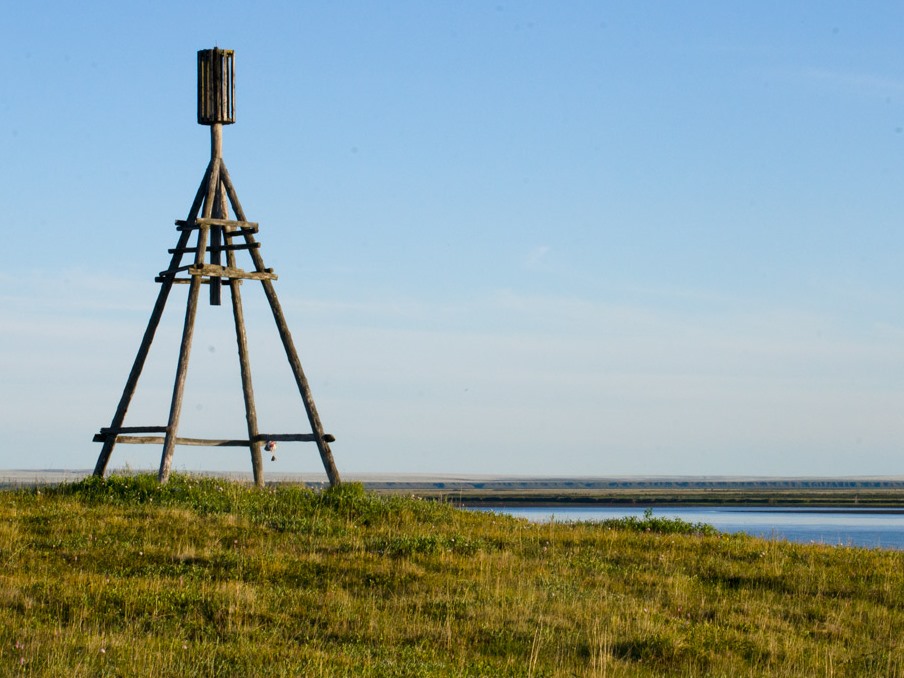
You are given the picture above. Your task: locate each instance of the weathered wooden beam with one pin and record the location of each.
(213, 442)
(228, 247)
(178, 269)
(294, 437)
(156, 440)
(134, 429)
(227, 223)
(187, 281)
(227, 272)
(202, 222)
(216, 253)
(240, 232)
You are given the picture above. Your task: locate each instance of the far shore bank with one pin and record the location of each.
(867, 492)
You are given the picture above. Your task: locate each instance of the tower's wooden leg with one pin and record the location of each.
(172, 426)
(241, 338)
(132, 382)
(326, 455)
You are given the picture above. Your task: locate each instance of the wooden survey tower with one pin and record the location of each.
(209, 230)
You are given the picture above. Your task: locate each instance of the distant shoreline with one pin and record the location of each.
(867, 492)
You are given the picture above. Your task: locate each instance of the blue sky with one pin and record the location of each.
(576, 238)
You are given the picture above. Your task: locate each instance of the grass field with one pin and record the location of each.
(204, 577)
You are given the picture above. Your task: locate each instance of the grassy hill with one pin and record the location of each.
(205, 577)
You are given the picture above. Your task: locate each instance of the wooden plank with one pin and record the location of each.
(222, 221)
(156, 440)
(228, 247)
(178, 269)
(213, 442)
(186, 226)
(291, 437)
(187, 281)
(135, 429)
(227, 272)
(203, 222)
(240, 232)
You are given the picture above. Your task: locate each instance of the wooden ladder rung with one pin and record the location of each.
(207, 223)
(240, 232)
(217, 248)
(210, 442)
(106, 432)
(294, 437)
(174, 271)
(214, 271)
(135, 429)
(186, 281)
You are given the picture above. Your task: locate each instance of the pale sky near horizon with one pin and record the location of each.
(576, 238)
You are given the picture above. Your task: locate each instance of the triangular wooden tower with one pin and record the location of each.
(216, 234)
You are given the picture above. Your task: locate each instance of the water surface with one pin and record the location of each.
(870, 528)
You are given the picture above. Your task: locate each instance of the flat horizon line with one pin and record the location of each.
(49, 474)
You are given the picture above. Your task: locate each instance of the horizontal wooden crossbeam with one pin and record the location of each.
(209, 442)
(248, 226)
(134, 429)
(173, 271)
(240, 232)
(294, 437)
(217, 248)
(214, 271)
(186, 281)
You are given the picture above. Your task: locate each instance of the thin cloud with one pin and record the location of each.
(853, 81)
(535, 257)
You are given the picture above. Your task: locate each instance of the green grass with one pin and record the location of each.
(123, 577)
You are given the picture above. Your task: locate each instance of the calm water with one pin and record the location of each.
(850, 527)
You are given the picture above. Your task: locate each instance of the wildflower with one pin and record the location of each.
(103, 650)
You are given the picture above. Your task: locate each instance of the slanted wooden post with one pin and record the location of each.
(216, 234)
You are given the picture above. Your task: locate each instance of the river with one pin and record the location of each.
(869, 528)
